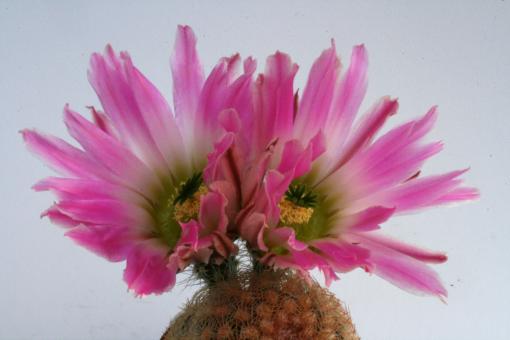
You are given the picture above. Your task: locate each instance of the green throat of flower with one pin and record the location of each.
(308, 212)
(175, 205)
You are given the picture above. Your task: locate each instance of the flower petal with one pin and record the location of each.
(404, 271)
(427, 191)
(77, 188)
(59, 218)
(110, 78)
(148, 270)
(110, 242)
(64, 157)
(158, 117)
(252, 229)
(318, 95)
(283, 237)
(212, 215)
(295, 159)
(103, 122)
(105, 211)
(110, 152)
(392, 158)
(340, 255)
(347, 101)
(458, 195)
(188, 78)
(366, 220)
(300, 260)
(366, 129)
(224, 162)
(239, 98)
(274, 101)
(216, 90)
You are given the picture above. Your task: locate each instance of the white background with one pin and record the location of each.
(452, 53)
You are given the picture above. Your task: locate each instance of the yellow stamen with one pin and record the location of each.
(183, 212)
(291, 213)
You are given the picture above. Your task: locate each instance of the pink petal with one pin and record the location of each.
(283, 237)
(402, 165)
(376, 172)
(229, 120)
(239, 98)
(274, 100)
(190, 234)
(329, 275)
(112, 243)
(105, 211)
(318, 95)
(368, 219)
(300, 260)
(367, 127)
(224, 162)
(148, 270)
(295, 162)
(212, 215)
(252, 229)
(402, 136)
(426, 191)
(458, 195)
(223, 244)
(110, 78)
(276, 185)
(295, 159)
(317, 145)
(103, 122)
(395, 156)
(423, 125)
(158, 117)
(188, 77)
(64, 157)
(190, 246)
(342, 256)
(59, 218)
(214, 95)
(253, 175)
(405, 272)
(109, 152)
(73, 188)
(347, 101)
(227, 190)
(406, 249)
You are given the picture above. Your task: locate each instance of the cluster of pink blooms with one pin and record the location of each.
(242, 157)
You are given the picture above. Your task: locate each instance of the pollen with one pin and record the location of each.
(291, 213)
(187, 210)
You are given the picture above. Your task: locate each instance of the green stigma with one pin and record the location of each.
(301, 196)
(188, 188)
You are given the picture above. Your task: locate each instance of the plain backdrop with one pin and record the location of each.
(454, 54)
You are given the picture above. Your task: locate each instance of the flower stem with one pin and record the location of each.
(212, 273)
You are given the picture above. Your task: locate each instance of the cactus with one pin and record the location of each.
(262, 304)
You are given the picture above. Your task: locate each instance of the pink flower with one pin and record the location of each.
(134, 191)
(300, 179)
(326, 182)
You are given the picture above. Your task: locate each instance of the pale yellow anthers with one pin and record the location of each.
(292, 214)
(183, 212)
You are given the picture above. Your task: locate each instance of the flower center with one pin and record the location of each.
(187, 210)
(298, 205)
(186, 203)
(176, 204)
(291, 213)
(310, 213)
